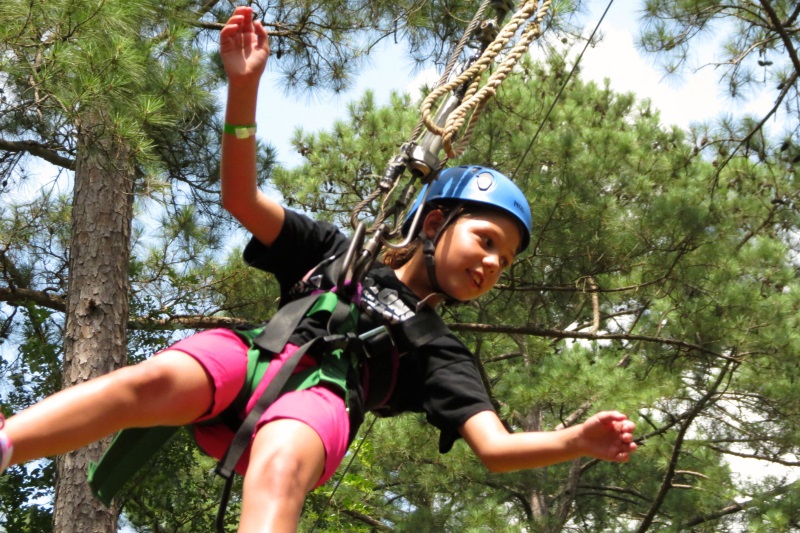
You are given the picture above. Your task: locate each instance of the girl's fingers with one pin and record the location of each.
(247, 23)
(262, 37)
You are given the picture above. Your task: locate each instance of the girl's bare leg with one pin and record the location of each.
(286, 461)
(169, 389)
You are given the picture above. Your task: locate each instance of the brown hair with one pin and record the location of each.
(394, 258)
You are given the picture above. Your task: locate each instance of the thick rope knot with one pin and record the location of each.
(475, 99)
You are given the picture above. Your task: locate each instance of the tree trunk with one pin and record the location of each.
(97, 308)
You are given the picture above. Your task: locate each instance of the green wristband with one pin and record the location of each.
(241, 132)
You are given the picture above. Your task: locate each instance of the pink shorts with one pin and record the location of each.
(223, 355)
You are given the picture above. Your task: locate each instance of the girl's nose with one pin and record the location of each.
(491, 262)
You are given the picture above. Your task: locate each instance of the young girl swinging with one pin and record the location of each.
(474, 222)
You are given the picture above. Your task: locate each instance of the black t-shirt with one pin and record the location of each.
(439, 379)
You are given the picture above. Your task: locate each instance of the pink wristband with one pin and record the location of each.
(6, 448)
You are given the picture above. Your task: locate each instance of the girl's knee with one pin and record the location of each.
(283, 467)
(140, 382)
(287, 457)
(173, 383)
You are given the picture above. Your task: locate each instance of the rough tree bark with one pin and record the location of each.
(97, 307)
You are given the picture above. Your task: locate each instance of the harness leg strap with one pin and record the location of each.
(241, 440)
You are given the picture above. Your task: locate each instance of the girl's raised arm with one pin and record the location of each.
(244, 49)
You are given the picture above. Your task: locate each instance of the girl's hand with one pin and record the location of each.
(608, 435)
(244, 47)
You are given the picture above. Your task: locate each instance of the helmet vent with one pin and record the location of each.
(485, 181)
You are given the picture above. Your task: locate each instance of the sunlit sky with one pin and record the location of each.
(696, 95)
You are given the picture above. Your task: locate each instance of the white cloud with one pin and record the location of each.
(696, 95)
(681, 102)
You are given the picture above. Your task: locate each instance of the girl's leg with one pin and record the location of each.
(286, 461)
(171, 388)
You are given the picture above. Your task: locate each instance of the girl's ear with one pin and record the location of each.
(433, 223)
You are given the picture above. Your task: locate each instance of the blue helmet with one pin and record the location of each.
(479, 186)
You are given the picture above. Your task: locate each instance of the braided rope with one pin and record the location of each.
(382, 214)
(474, 23)
(476, 99)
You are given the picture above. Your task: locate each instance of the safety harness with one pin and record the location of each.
(375, 354)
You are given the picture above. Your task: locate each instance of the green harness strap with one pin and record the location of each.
(133, 448)
(130, 450)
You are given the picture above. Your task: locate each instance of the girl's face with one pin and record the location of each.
(473, 252)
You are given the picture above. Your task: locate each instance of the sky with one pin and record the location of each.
(692, 97)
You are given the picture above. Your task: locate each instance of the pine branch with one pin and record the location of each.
(604, 489)
(666, 483)
(775, 460)
(716, 515)
(57, 303)
(38, 150)
(185, 322)
(757, 128)
(206, 7)
(569, 493)
(517, 495)
(778, 27)
(793, 17)
(217, 26)
(17, 297)
(361, 517)
(737, 507)
(562, 334)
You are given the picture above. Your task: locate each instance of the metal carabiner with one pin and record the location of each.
(350, 259)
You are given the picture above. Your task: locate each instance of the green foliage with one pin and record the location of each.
(33, 374)
(341, 167)
(680, 281)
(178, 492)
(662, 279)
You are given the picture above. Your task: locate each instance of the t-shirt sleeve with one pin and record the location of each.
(300, 246)
(454, 389)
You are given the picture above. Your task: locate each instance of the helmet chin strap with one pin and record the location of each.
(429, 253)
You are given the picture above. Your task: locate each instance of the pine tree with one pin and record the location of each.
(642, 293)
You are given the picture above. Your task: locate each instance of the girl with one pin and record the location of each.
(474, 223)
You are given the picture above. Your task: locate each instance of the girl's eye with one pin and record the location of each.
(488, 242)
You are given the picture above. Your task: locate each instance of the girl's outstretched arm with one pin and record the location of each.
(244, 49)
(607, 435)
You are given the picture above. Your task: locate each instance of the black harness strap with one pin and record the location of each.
(241, 440)
(424, 327)
(281, 326)
(379, 367)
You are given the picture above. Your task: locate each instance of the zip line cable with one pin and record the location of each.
(563, 86)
